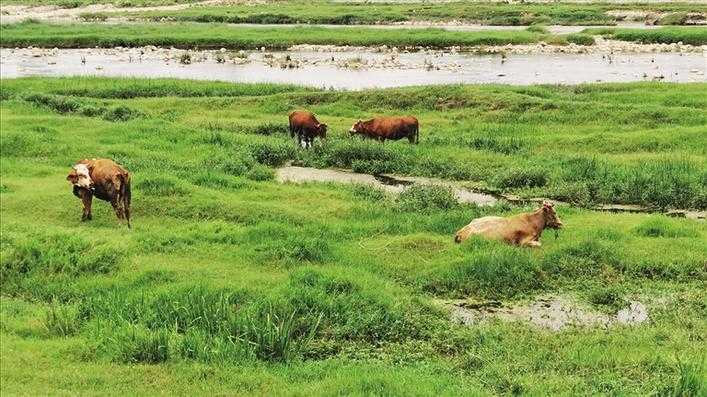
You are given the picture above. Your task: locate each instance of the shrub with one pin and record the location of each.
(521, 177)
(426, 198)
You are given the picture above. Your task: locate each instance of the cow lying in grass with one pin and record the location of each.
(522, 229)
(104, 179)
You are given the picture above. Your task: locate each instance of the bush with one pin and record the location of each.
(426, 198)
(521, 177)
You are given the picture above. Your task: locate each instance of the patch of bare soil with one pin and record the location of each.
(553, 313)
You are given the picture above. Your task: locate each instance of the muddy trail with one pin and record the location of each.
(355, 68)
(553, 313)
(464, 192)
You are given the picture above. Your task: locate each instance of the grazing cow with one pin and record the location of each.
(522, 229)
(104, 179)
(306, 126)
(382, 128)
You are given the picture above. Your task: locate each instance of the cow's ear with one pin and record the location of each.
(72, 177)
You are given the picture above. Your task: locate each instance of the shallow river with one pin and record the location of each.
(357, 69)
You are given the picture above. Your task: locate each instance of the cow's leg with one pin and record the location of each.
(118, 208)
(411, 138)
(533, 244)
(86, 200)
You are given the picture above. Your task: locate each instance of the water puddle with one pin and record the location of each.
(554, 313)
(389, 183)
(464, 193)
(361, 68)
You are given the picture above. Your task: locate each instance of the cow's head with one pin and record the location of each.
(551, 218)
(321, 127)
(356, 128)
(80, 176)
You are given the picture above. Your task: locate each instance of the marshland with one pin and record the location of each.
(257, 267)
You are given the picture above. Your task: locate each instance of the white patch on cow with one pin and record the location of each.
(84, 178)
(353, 128)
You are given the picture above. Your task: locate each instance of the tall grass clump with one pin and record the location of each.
(691, 380)
(161, 185)
(62, 320)
(426, 198)
(658, 226)
(59, 253)
(521, 178)
(489, 269)
(272, 153)
(128, 343)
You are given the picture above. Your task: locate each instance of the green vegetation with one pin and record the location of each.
(214, 36)
(673, 34)
(487, 13)
(222, 36)
(240, 285)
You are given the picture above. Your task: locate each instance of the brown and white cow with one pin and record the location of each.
(522, 229)
(306, 127)
(382, 128)
(105, 180)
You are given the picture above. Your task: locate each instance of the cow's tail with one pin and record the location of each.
(125, 196)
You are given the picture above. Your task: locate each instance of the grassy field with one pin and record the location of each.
(195, 35)
(664, 35)
(232, 283)
(489, 13)
(484, 13)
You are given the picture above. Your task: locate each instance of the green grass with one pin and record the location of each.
(248, 286)
(214, 36)
(221, 36)
(667, 35)
(488, 13)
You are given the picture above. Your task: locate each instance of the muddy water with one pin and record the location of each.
(388, 183)
(364, 68)
(553, 312)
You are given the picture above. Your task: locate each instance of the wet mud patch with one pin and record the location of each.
(553, 313)
(385, 182)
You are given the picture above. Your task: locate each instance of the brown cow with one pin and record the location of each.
(305, 125)
(382, 128)
(522, 229)
(104, 179)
